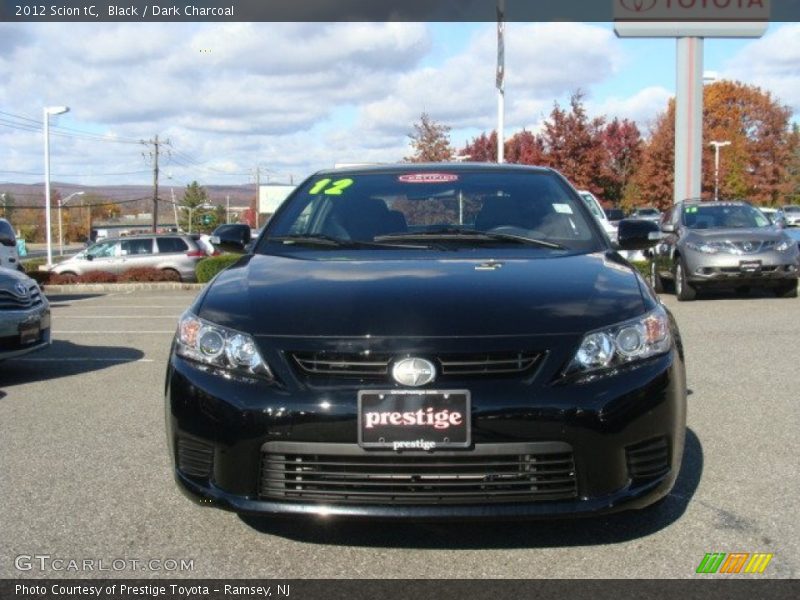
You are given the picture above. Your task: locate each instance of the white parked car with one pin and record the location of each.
(596, 209)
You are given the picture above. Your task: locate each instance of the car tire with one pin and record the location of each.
(655, 278)
(787, 290)
(173, 274)
(683, 290)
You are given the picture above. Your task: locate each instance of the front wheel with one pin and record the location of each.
(683, 290)
(655, 278)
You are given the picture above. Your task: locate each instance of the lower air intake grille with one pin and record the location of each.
(348, 474)
(195, 458)
(649, 459)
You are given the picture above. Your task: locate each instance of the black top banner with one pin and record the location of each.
(397, 10)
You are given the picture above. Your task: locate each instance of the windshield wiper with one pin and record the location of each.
(322, 239)
(459, 233)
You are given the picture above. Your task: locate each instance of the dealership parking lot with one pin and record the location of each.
(84, 471)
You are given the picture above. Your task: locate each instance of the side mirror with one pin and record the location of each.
(89, 257)
(668, 228)
(7, 240)
(231, 238)
(638, 234)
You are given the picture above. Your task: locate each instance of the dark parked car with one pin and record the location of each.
(723, 244)
(24, 315)
(429, 341)
(615, 215)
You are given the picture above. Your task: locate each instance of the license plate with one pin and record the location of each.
(29, 333)
(750, 266)
(414, 419)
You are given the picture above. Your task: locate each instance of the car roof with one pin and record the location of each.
(135, 236)
(461, 167)
(716, 203)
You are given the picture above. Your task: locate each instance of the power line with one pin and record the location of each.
(29, 124)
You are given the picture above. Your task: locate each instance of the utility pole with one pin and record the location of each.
(227, 209)
(156, 144)
(258, 191)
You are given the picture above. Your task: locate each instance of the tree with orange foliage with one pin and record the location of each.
(756, 166)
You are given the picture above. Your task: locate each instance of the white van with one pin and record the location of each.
(8, 246)
(594, 206)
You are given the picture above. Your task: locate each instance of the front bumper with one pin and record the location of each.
(222, 433)
(748, 269)
(11, 322)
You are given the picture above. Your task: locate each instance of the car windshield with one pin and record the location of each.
(791, 209)
(433, 210)
(723, 216)
(649, 212)
(101, 249)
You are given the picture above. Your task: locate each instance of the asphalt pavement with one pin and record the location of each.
(85, 475)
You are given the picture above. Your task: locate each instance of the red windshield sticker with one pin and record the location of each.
(428, 178)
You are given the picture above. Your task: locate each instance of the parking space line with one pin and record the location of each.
(118, 316)
(76, 359)
(82, 331)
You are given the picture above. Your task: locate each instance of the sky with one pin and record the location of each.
(295, 98)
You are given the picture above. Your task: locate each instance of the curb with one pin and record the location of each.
(121, 287)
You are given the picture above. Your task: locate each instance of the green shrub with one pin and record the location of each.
(643, 266)
(207, 268)
(32, 264)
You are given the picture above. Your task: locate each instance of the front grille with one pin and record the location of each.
(11, 301)
(753, 246)
(649, 459)
(195, 458)
(341, 473)
(377, 366)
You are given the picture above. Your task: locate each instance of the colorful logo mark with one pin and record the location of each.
(735, 562)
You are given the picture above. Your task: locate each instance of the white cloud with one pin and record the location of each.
(771, 63)
(642, 107)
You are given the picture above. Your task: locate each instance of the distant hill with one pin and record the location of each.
(33, 194)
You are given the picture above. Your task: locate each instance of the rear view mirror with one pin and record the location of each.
(637, 234)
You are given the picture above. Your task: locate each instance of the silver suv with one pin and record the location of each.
(723, 244)
(174, 253)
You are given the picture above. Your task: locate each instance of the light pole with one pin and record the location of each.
(717, 146)
(46, 113)
(60, 235)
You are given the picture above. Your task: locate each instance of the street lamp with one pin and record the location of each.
(60, 236)
(47, 112)
(717, 146)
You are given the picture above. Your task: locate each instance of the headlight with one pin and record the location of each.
(220, 347)
(785, 246)
(623, 343)
(706, 247)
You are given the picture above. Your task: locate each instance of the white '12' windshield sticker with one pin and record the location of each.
(564, 209)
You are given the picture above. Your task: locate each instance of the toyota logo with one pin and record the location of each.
(20, 289)
(413, 372)
(638, 5)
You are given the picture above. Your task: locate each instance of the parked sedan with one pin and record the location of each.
(429, 341)
(24, 315)
(174, 253)
(723, 244)
(791, 214)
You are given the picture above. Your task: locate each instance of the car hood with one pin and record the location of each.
(738, 234)
(282, 296)
(11, 277)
